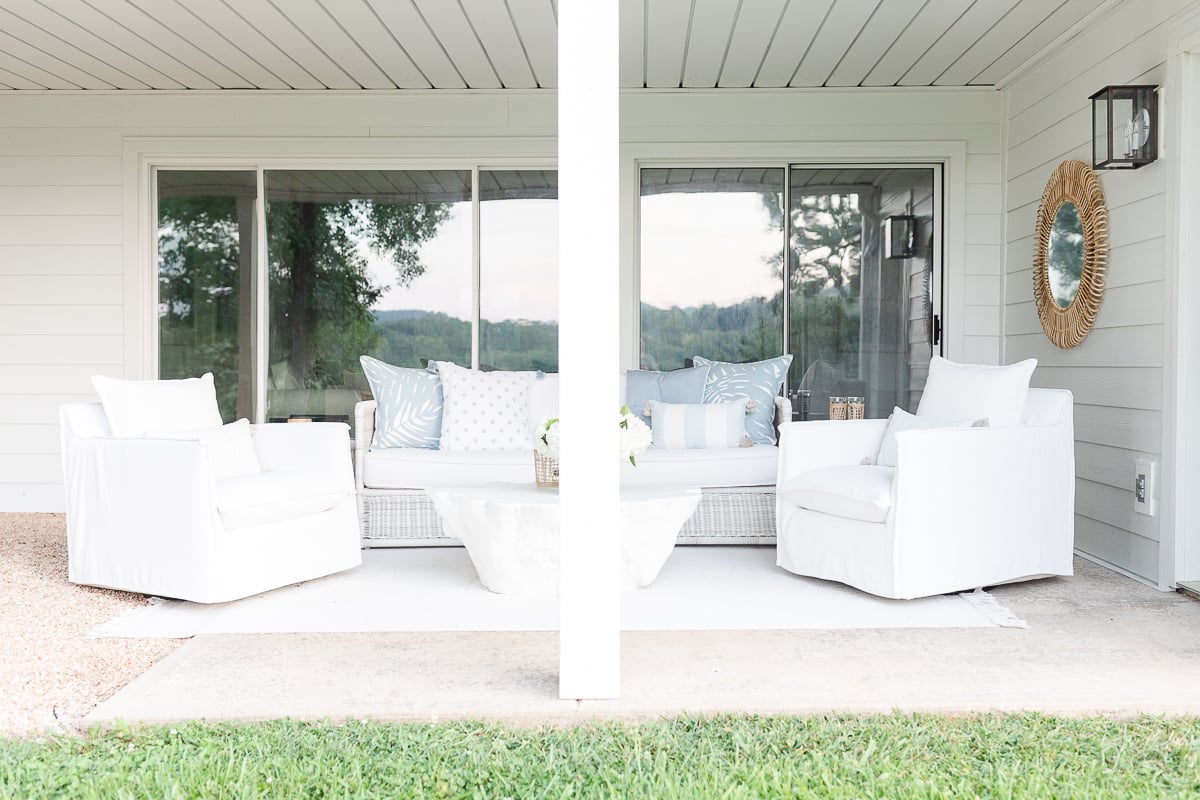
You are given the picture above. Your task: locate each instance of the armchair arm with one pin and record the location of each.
(364, 432)
(136, 507)
(995, 500)
(825, 443)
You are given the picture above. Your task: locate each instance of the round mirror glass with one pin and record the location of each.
(1065, 256)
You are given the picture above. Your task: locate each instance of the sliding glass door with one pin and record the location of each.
(860, 305)
(854, 303)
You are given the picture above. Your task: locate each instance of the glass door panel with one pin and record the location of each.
(518, 270)
(860, 308)
(711, 264)
(205, 274)
(362, 262)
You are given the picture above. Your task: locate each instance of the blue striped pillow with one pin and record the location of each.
(698, 425)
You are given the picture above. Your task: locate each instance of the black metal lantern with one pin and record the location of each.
(900, 236)
(1124, 127)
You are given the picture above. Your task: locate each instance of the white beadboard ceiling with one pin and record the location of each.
(492, 44)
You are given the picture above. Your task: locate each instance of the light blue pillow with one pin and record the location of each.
(676, 386)
(760, 381)
(409, 405)
(698, 425)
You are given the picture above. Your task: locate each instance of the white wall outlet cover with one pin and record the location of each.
(1145, 485)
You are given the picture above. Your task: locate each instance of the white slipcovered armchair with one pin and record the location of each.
(963, 507)
(151, 514)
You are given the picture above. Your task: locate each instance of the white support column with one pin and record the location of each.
(589, 343)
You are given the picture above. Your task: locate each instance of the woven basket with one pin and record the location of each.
(545, 470)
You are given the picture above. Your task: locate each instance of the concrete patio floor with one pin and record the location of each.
(1096, 643)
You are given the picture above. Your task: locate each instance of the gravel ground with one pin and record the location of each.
(51, 673)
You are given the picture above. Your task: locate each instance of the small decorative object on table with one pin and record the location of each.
(837, 407)
(634, 439)
(545, 453)
(856, 407)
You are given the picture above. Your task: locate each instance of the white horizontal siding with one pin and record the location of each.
(1117, 373)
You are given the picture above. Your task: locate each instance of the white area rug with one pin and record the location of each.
(437, 589)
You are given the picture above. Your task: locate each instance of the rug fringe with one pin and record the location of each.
(990, 607)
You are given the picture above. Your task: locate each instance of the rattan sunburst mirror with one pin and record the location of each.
(1071, 253)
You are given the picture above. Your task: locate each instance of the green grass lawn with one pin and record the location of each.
(894, 756)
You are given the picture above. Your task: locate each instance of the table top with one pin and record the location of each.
(530, 493)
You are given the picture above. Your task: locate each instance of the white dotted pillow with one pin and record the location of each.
(485, 410)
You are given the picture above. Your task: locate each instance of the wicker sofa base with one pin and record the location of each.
(405, 518)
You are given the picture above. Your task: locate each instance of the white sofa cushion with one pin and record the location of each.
(279, 496)
(714, 468)
(410, 468)
(485, 410)
(856, 492)
(230, 448)
(135, 408)
(973, 391)
(698, 425)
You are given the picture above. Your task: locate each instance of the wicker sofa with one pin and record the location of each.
(738, 484)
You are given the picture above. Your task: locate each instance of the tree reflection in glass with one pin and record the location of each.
(1065, 256)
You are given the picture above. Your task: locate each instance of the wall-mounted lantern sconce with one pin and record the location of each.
(1124, 127)
(900, 236)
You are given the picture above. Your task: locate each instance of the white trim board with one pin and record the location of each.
(1179, 554)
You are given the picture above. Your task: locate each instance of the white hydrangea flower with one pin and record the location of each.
(635, 436)
(545, 437)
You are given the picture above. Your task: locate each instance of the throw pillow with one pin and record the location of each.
(760, 381)
(973, 391)
(485, 410)
(698, 425)
(901, 420)
(136, 408)
(408, 410)
(677, 386)
(230, 448)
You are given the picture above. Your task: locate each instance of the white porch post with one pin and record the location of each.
(588, 336)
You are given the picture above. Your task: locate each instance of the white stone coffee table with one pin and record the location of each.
(511, 533)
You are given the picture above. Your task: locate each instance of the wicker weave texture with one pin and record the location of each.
(406, 518)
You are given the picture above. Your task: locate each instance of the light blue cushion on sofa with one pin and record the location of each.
(409, 405)
(759, 380)
(679, 386)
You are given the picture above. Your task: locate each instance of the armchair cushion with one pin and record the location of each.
(972, 391)
(409, 404)
(854, 492)
(760, 381)
(230, 448)
(268, 497)
(138, 408)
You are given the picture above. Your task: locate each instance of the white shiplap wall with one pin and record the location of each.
(1117, 373)
(69, 251)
